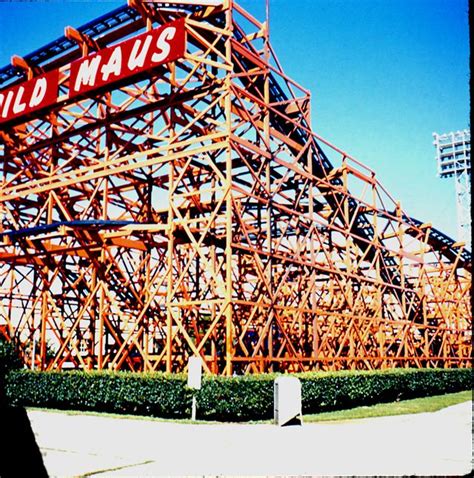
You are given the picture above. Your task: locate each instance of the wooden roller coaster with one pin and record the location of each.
(163, 195)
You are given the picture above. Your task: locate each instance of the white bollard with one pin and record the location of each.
(287, 401)
(194, 380)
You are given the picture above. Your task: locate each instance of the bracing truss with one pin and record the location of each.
(191, 210)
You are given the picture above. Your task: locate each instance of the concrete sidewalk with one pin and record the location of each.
(425, 444)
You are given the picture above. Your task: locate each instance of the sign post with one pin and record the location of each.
(194, 380)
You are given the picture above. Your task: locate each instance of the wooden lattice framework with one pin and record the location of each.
(192, 211)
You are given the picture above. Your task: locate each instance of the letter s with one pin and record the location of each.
(162, 45)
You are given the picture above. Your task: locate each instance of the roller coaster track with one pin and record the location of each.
(444, 244)
(397, 282)
(321, 168)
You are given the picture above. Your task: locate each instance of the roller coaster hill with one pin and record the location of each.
(164, 196)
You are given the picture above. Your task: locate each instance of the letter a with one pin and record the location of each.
(136, 59)
(114, 65)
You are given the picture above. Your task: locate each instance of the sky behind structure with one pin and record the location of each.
(383, 75)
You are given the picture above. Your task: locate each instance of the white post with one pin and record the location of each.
(193, 409)
(287, 401)
(194, 380)
(33, 351)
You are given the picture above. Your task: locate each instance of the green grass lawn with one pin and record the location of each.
(403, 407)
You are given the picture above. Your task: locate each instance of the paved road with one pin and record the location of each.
(425, 444)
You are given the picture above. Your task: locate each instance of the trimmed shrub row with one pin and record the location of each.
(221, 398)
(341, 390)
(157, 395)
(251, 397)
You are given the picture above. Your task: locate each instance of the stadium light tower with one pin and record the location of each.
(453, 154)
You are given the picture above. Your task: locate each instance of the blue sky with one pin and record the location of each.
(384, 75)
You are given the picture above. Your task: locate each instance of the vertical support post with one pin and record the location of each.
(229, 206)
(268, 187)
(101, 331)
(171, 245)
(401, 272)
(378, 294)
(101, 291)
(93, 319)
(169, 288)
(44, 319)
(462, 180)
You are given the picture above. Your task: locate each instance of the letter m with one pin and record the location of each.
(87, 73)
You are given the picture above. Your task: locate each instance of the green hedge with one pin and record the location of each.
(9, 358)
(221, 398)
(341, 390)
(251, 397)
(158, 395)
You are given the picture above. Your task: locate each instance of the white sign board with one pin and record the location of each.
(194, 372)
(287, 401)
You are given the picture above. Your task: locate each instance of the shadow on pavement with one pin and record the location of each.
(19, 453)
